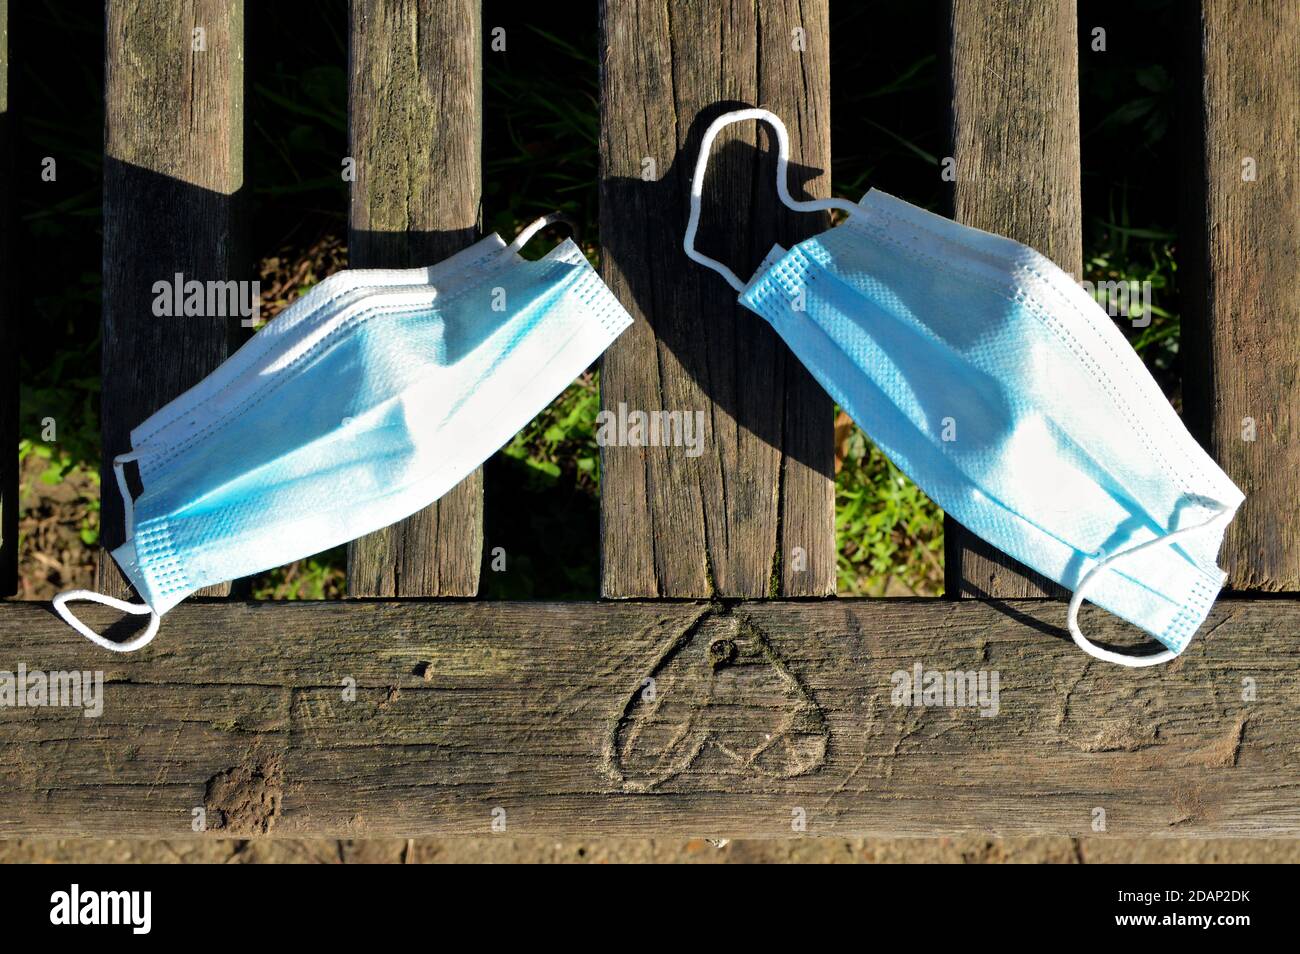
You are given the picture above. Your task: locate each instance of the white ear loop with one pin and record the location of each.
(1072, 617)
(782, 186)
(135, 609)
(532, 228)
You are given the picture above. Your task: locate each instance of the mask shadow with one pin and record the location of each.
(730, 356)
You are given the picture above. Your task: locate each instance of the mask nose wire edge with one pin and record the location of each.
(128, 505)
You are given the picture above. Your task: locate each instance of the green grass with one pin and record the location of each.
(888, 533)
(562, 436)
(1118, 251)
(315, 578)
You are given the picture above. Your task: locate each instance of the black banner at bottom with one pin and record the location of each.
(332, 903)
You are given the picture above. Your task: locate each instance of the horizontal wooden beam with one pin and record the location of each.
(381, 717)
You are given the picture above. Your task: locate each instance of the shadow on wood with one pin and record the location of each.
(156, 226)
(712, 522)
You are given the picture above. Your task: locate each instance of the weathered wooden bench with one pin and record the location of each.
(719, 688)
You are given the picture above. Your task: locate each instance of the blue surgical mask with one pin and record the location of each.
(1006, 393)
(367, 400)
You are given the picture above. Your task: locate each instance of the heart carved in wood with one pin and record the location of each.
(716, 699)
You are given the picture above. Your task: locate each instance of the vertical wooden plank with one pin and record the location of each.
(415, 127)
(1241, 326)
(1014, 128)
(753, 515)
(8, 343)
(173, 165)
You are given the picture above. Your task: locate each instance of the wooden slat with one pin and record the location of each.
(1241, 326)
(753, 515)
(173, 168)
(1014, 126)
(760, 710)
(415, 108)
(8, 341)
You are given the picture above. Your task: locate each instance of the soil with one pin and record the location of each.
(51, 553)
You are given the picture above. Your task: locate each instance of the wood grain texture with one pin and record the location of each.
(173, 168)
(1014, 133)
(415, 126)
(759, 710)
(8, 340)
(754, 514)
(1241, 324)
